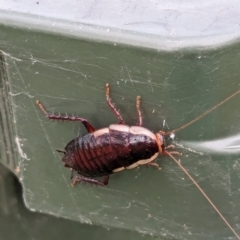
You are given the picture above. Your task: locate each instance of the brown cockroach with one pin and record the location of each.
(119, 147)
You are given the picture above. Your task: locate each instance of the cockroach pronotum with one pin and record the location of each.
(118, 147)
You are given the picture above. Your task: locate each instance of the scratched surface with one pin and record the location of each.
(69, 75)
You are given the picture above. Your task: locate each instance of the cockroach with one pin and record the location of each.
(119, 147)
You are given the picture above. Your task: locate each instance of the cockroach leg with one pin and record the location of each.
(84, 121)
(105, 180)
(154, 164)
(170, 146)
(72, 174)
(111, 105)
(83, 179)
(138, 102)
(173, 153)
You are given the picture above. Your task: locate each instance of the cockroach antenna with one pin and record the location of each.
(186, 172)
(203, 114)
(203, 193)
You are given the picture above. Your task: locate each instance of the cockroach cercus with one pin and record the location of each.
(118, 147)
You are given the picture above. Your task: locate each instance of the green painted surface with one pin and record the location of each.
(69, 75)
(17, 222)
